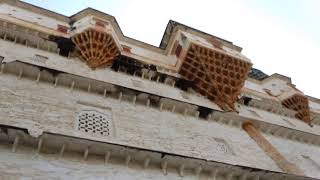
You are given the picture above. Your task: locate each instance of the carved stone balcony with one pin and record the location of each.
(96, 48)
(300, 104)
(216, 75)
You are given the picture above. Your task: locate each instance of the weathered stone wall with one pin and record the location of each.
(25, 164)
(306, 157)
(42, 107)
(29, 16)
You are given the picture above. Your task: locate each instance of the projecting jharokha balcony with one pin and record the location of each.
(216, 75)
(95, 47)
(300, 104)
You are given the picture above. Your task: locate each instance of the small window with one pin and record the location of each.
(41, 59)
(94, 123)
(62, 29)
(178, 50)
(100, 24)
(246, 100)
(126, 48)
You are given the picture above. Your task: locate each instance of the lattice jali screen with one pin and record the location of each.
(216, 75)
(96, 48)
(94, 123)
(300, 104)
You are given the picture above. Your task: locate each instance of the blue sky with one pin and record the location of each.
(278, 36)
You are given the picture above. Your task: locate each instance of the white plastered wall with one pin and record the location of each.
(29, 16)
(41, 107)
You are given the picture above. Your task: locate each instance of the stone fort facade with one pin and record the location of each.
(80, 100)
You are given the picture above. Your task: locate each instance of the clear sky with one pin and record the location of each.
(279, 36)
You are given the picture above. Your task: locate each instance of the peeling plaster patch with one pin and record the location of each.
(40, 58)
(223, 147)
(137, 83)
(312, 163)
(185, 95)
(254, 113)
(289, 122)
(35, 131)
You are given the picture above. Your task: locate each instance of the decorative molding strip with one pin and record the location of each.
(231, 119)
(69, 147)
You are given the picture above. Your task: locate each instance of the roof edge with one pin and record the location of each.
(37, 9)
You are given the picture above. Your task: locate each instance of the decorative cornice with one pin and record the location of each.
(64, 147)
(231, 119)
